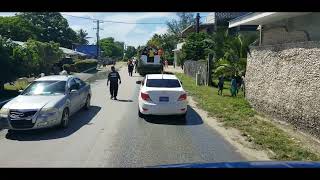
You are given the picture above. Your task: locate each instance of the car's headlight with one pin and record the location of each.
(48, 111)
(4, 112)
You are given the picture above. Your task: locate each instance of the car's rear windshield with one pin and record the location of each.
(163, 83)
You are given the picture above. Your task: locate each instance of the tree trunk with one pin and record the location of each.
(210, 57)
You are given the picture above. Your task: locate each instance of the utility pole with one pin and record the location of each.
(124, 50)
(98, 37)
(198, 22)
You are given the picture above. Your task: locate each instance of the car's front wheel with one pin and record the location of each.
(65, 119)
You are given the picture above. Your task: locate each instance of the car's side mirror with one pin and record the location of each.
(20, 91)
(138, 82)
(72, 91)
(181, 82)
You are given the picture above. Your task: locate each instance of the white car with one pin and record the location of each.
(162, 94)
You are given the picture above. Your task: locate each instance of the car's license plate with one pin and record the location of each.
(163, 99)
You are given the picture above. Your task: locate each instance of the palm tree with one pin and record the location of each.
(235, 50)
(82, 37)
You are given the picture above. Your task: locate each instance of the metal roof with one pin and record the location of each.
(261, 18)
(64, 50)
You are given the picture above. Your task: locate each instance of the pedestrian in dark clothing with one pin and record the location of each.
(234, 86)
(243, 86)
(135, 66)
(239, 82)
(113, 77)
(130, 67)
(220, 85)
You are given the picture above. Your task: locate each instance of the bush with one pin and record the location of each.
(85, 64)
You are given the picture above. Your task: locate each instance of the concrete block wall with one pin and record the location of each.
(284, 81)
(191, 68)
(281, 35)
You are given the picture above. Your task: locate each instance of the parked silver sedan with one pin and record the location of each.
(46, 102)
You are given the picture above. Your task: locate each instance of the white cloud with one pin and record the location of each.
(78, 14)
(139, 31)
(76, 27)
(160, 30)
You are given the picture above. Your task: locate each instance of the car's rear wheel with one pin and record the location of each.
(87, 104)
(140, 114)
(65, 119)
(183, 117)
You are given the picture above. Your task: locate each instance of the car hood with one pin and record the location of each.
(32, 102)
(254, 164)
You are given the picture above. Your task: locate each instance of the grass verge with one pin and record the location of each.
(12, 90)
(237, 113)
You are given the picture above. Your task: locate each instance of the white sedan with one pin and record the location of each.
(162, 94)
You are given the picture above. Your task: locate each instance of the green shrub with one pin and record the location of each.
(85, 64)
(66, 67)
(70, 68)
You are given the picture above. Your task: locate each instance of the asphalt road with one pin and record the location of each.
(111, 134)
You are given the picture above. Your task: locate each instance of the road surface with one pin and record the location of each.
(111, 134)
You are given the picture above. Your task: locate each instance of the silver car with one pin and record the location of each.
(46, 102)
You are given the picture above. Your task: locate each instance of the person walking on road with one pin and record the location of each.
(113, 77)
(166, 63)
(135, 66)
(130, 67)
(220, 85)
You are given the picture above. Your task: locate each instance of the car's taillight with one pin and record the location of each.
(183, 97)
(145, 96)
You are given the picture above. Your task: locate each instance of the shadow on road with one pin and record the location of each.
(77, 121)
(124, 100)
(192, 118)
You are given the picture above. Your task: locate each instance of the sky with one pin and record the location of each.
(131, 34)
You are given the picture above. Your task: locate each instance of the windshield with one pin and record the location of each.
(163, 83)
(46, 88)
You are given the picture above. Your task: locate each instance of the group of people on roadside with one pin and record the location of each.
(237, 83)
(132, 65)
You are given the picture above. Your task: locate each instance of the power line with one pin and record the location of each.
(108, 21)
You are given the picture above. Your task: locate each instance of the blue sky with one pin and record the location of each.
(131, 34)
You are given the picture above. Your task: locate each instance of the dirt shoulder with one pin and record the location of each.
(233, 136)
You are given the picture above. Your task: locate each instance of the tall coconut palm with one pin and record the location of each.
(82, 37)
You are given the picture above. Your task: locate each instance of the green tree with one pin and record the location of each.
(82, 37)
(130, 52)
(6, 62)
(195, 46)
(17, 28)
(111, 48)
(155, 41)
(53, 27)
(177, 26)
(234, 59)
(167, 42)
